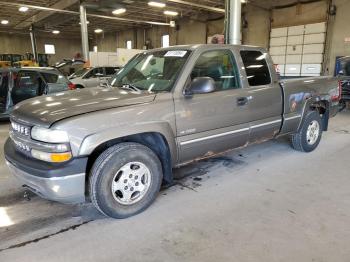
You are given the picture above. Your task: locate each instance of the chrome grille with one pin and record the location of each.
(20, 129)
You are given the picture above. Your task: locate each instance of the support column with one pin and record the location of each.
(84, 33)
(233, 22)
(33, 41)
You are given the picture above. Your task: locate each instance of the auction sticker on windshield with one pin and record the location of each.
(175, 53)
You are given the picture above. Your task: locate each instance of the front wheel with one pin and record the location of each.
(310, 133)
(125, 180)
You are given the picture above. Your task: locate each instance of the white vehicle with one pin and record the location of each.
(92, 76)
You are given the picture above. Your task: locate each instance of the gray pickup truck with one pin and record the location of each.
(116, 145)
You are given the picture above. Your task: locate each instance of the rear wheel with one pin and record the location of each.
(125, 180)
(310, 133)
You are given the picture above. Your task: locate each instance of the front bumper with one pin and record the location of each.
(62, 183)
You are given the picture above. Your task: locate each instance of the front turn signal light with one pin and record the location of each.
(60, 157)
(51, 157)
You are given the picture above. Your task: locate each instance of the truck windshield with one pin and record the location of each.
(154, 71)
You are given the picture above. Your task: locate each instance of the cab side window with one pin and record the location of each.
(111, 71)
(220, 66)
(94, 73)
(27, 85)
(256, 67)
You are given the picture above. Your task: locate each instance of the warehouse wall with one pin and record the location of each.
(338, 30)
(258, 26)
(300, 14)
(20, 44)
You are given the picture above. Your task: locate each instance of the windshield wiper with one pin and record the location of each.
(131, 87)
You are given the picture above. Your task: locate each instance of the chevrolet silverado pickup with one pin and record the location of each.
(116, 145)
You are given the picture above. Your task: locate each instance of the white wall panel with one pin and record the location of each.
(296, 30)
(312, 59)
(315, 38)
(278, 32)
(313, 49)
(307, 69)
(278, 59)
(293, 59)
(294, 49)
(295, 40)
(293, 70)
(278, 50)
(315, 28)
(278, 41)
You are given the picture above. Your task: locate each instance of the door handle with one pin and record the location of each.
(241, 101)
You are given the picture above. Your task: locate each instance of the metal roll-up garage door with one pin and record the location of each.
(298, 50)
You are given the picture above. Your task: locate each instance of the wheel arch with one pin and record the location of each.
(319, 104)
(156, 141)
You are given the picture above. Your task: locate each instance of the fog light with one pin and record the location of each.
(51, 157)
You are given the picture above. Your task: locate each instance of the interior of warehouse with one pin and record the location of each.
(174, 130)
(193, 26)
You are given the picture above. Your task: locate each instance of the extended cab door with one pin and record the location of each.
(264, 98)
(213, 122)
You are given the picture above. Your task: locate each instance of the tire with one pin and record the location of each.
(118, 176)
(79, 87)
(301, 141)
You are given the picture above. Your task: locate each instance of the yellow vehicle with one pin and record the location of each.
(26, 61)
(4, 62)
(9, 60)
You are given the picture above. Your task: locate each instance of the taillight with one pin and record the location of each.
(71, 86)
(336, 94)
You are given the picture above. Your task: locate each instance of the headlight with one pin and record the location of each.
(49, 135)
(51, 157)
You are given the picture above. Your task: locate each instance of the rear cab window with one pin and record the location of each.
(256, 67)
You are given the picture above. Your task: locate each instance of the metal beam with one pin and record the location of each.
(206, 7)
(84, 33)
(233, 22)
(42, 15)
(33, 41)
(55, 10)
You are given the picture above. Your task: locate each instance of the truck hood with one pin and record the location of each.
(46, 110)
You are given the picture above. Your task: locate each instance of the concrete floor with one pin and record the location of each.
(266, 202)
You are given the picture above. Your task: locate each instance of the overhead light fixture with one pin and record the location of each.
(23, 9)
(98, 31)
(119, 11)
(156, 4)
(56, 32)
(4, 22)
(171, 13)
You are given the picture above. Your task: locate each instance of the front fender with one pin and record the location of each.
(90, 143)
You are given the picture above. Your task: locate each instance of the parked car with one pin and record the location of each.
(19, 84)
(345, 83)
(92, 76)
(166, 108)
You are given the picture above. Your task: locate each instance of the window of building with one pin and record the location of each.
(50, 49)
(165, 41)
(129, 44)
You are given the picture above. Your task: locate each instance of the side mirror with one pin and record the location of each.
(200, 85)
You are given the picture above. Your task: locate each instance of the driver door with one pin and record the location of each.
(211, 123)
